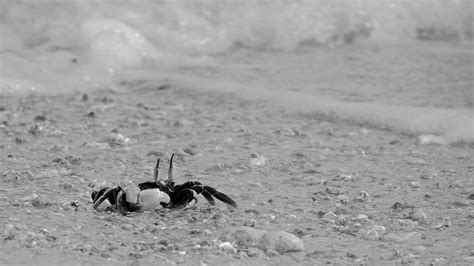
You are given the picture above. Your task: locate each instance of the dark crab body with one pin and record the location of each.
(157, 194)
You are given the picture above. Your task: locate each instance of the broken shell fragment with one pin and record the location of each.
(362, 196)
(445, 222)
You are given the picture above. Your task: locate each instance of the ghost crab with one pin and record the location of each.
(152, 195)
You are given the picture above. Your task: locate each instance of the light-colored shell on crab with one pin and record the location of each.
(150, 199)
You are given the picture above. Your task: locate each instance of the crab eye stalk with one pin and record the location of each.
(170, 170)
(155, 172)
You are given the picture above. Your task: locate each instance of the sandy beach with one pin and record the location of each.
(326, 181)
(344, 130)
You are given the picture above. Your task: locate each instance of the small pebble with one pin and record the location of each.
(363, 219)
(439, 261)
(279, 241)
(371, 234)
(406, 224)
(127, 226)
(195, 231)
(431, 139)
(253, 211)
(253, 252)
(40, 118)
(207, 232)
(41, 202)
(183, 123)
(428, 176)
(397, 206)
(420, 249)
(461, 203)
(379, 229)
(257, 160)
(419, 215)
(29, 197)
(272, 253)
(415, 161)
(189, 151)
(9, 227)
(343, 199)
(400, 238)
(66, 186)
(35, 130)
(329, 217)
(345, 177)
(49, 173)
(457, 184)
(64, 172)
(445, 222)
(117, 139)
(227, 247)
(250, 222)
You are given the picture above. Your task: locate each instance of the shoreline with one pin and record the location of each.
(414, 88)
(451, 126)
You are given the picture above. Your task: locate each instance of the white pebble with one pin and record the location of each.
(227, 247)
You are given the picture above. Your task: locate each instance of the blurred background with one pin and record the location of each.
(392, 56)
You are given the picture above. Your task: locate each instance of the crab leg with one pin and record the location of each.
(103, 197)
(208, 196)
(121, 201)
(220, 196)
(155, 172)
